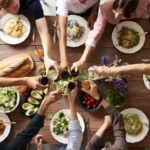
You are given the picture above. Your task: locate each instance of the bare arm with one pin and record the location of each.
(32, 82)
(63, 41)
(46, 42)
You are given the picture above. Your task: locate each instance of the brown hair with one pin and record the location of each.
(4, 3)
(129, 6)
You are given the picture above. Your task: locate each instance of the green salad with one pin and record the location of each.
(7, 98)
(61, 125)
(115, 98)
(128, 38)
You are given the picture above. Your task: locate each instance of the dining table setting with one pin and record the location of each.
(21, 54)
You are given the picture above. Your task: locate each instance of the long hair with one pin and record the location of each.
(4, 3)
(128, 6)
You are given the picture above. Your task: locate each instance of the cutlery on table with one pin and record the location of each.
(9, 122)
(145, 60)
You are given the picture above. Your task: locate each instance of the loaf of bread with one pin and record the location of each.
(16, 66)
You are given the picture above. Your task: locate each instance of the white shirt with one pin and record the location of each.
(64, 6)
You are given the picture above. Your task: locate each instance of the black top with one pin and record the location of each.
(22, 139)
(31, 7)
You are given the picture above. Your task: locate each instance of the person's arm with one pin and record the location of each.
(23, 138)
(46, 42)
(105, 71)
(93, 15)
(32, 82)
(63, 41)
(75, 135)
(118, 125)
(93, 37)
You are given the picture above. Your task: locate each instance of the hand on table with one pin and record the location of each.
(93, 90)
(51, 63)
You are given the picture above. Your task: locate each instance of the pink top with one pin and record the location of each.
(106, 15)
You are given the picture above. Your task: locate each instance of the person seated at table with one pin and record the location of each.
(23, 138)
(111, 11)
(75, 134)
(34, 9)
(104, 71)
(115, 118)
(32, 82)
(79, 7)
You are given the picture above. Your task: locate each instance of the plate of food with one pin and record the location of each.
(136, 125)
(128, 37)
(14, 29)
(146, 79)
(77, 31)
(9, 99)
(33, 100)
(4, 127)
(59, 125)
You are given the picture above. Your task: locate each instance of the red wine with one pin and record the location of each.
(71, 85)
(74, 73)
(44, 80)
(65, 75)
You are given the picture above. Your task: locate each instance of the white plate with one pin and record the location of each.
(12, 40)
(83, 39)
(17, 103)
(146, 82)
(144, 119)
(6, 132)
(132, 25)
(61, 138)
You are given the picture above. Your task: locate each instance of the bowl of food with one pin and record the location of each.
(136, 125)
(128, 37)
(115, 98)
(59, 125)
(88, 103)
(146, 79)
(9, 99)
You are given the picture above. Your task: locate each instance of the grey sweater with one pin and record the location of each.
(118, 128)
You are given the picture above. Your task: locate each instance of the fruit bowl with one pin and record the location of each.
(88, 103)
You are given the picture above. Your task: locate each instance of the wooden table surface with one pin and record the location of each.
(138, 95)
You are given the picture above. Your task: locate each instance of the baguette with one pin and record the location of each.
(16, 66)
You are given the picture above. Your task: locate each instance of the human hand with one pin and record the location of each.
(107, 122)
(78, 65)
(52, 97)
(101, 71)
(92, 91)
(64, 66)
(51, 63)
(34, 82)
(92, 19)
(72, 95)
(38, 141)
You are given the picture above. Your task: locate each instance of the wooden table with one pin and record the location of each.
(138, 95)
